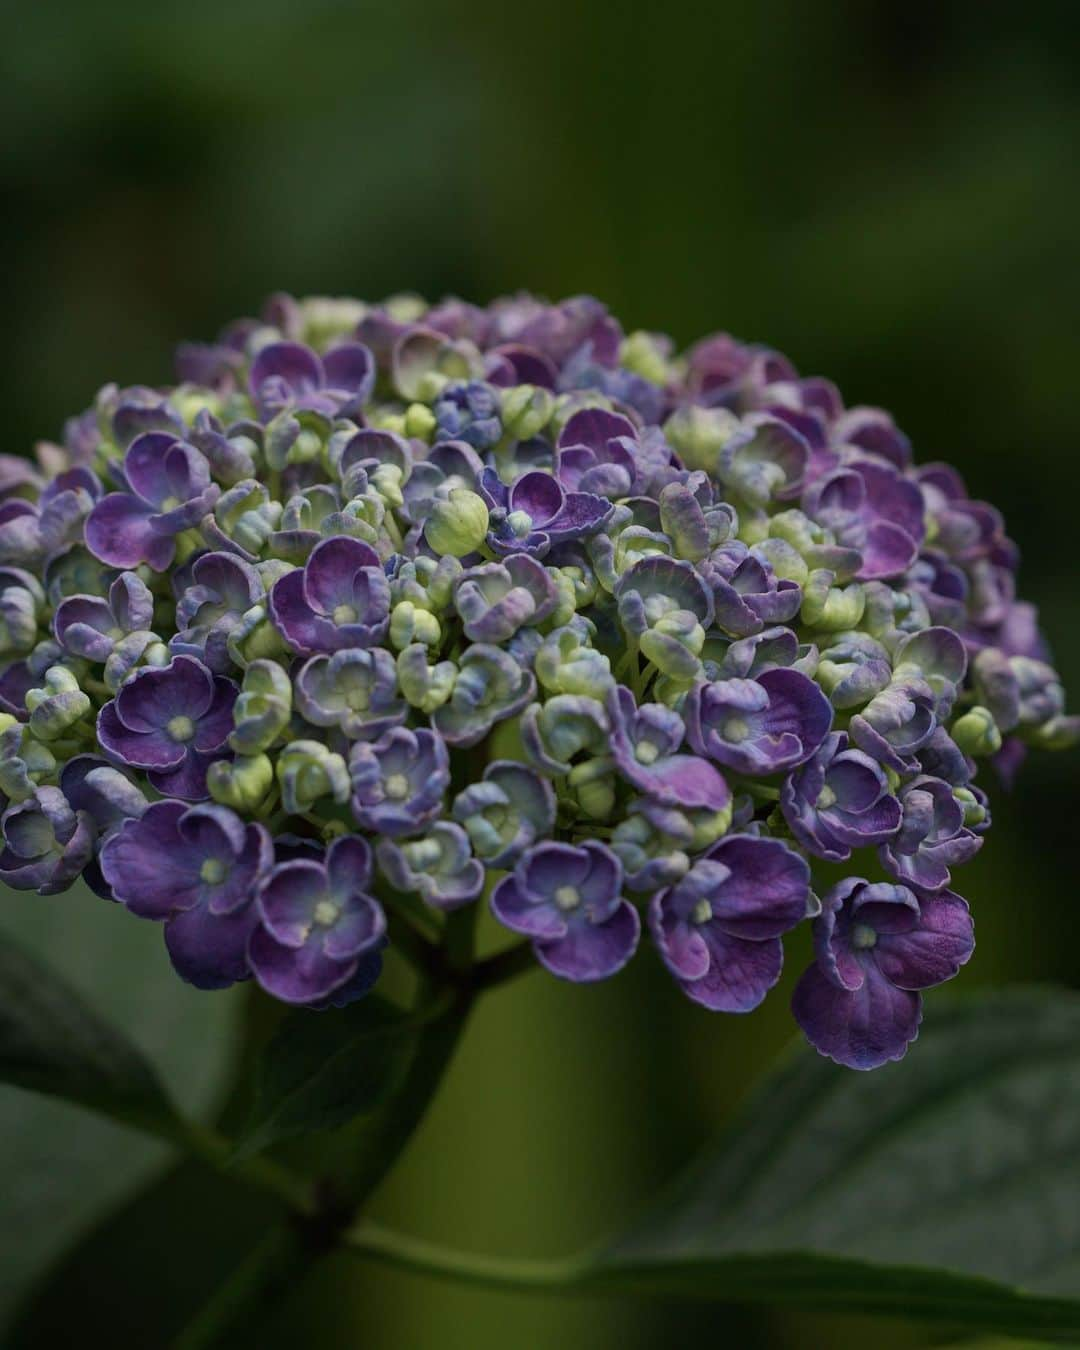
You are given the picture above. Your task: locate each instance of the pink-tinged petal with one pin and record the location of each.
(514, 910)
(861, 1028)
(934, 950)
(740, 973)
(593, 951)
(119, 532)
(686, 780)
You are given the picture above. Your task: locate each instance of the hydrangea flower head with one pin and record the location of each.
(396, 610)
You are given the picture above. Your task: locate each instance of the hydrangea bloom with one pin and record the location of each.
(397, 608)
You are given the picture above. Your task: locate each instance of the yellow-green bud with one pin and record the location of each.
(976, 733)
(525, 411)
(457, 525)
(419, 422)
(241, 783)
(409, 623)
(699, 434)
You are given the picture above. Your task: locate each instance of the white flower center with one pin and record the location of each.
(646, 753)
(397, 787)
(212, 871)
(180, 728)
(735, 730)
(863, 937)
(520, 522)
(567, 898)
(344, 614)
(326, 912)
(702, 912)
(826, 798)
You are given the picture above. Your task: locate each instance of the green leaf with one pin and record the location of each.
(52, 1042)
(60, 1167)
(321, 1071)
(946, 1187)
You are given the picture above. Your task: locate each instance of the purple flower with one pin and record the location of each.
(595, 453)
(496, 599)
(871, 507)
(932, 836)
(87, 625)
(290, 375)
(449, 465)
(221, 589)
(33, 533)
(764, 460)
(46, 844)
(172, 721)
(645, 743)
(320, 932)
(747, 595)
(470, 413)
(354, 689)
(896, 723)
(398, 781)
(339, 598)
(839, 800)
(758, 726)
(568, 900)
(877, 946)
(537, 511)
(169, 490)
(196, 869)
(718, 929)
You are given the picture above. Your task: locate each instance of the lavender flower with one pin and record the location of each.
(318, 931)
(474, 588)
(193, 868)
(567, 899)
(877, 946)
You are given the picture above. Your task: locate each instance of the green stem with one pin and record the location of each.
(409, 1253)
(503, 966)
(280, 1259)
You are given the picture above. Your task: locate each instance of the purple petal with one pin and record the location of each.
(119, 532)
(295, 976)
(591, 951)
(516, 911)
(740, 973)
(859, 1028)
(210, 950)
(933, 951)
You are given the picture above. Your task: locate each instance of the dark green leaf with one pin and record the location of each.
(939, 1187)
(322, 1070)
(52, 1042)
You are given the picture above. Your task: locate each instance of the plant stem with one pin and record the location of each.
(276, 1263)
(210, 1147)
(409, 1253)
(503, 966)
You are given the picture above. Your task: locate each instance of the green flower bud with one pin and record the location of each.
(24, 762)
(241, 783)
(419, 422)
(566, 664)
(975, 812)
(262, 709)
(784, 558)
(699, 434)
(457, 525)
(830, 607)
(423, 686)
(674, 643)
(57, 705)
(409, 624)
(708, 826)
(246, 515)
(255, 637)
(525, 411)
(976, 733)
(646, 355)
(427, 582)
(307, 771)
(593, 784)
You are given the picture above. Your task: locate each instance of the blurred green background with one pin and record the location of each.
(887, 190)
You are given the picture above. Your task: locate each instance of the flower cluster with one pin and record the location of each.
(385, 609)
